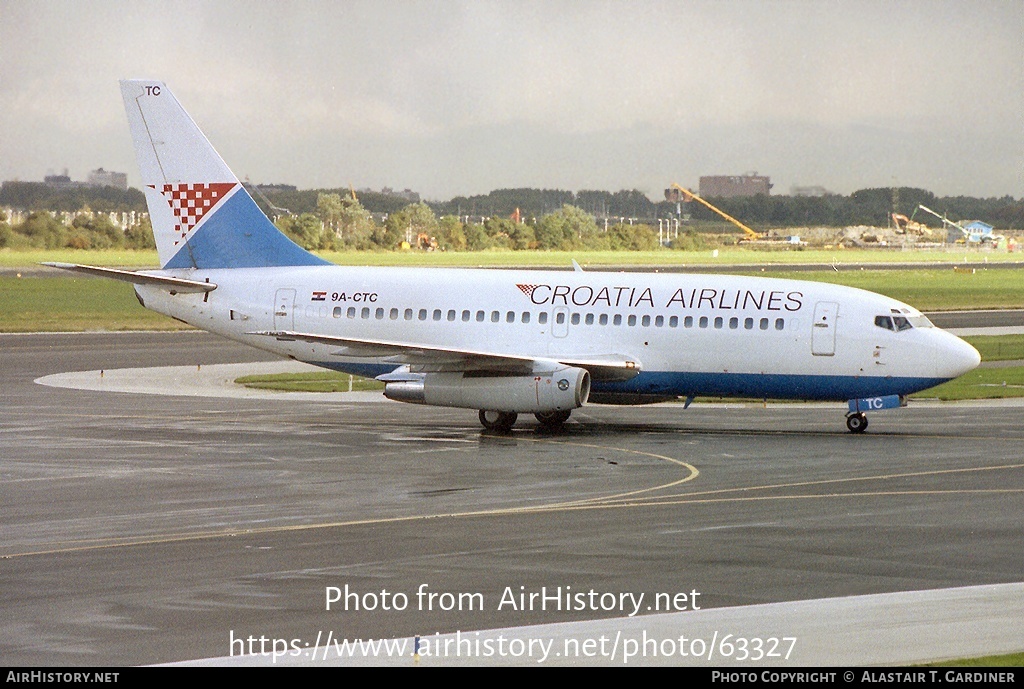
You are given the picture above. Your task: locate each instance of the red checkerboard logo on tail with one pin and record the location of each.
(191, 202)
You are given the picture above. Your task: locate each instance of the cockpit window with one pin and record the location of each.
(900, 323)
(920, 322)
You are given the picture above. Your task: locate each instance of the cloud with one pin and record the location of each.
(446, 97)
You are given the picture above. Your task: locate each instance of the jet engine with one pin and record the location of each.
(563, 389)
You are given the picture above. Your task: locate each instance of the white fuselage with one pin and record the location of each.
(690, 334)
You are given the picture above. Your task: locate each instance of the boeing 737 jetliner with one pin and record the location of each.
(508, 342)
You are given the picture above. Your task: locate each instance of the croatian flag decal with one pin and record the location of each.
(190, 203)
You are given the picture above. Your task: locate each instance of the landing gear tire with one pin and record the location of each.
(552, 420)
(857, 423)
(498, 420)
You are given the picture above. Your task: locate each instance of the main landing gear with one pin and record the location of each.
(857, 422)
(504, 420)
(552, 420)
(498, 420)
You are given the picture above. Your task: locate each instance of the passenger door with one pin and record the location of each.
(823, 330)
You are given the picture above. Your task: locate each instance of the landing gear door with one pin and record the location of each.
(823, 332)
(284, 309)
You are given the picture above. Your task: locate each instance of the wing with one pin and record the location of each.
(425, 358)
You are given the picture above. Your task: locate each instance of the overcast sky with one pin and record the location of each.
(452, 98)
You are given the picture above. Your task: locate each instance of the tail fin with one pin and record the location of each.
(202, 216)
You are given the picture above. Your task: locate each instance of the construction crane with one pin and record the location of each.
(945, 220)
(967, 234)
(750, 234)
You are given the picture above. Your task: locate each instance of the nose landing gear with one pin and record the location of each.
(857, 422)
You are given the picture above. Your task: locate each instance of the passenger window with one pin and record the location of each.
(617, 320)
(526, 317)
(437, 314)
(734, 323)
(465, 316)
(688, 322)
(351, 312)
(510, 317)
(590, 319)
(479, 316)
(422, 315)
(543, 317)
(379, 314)
(673, 321)
(603, 320)
(780, 324)
(719, 322)
(703, 321)
(763, 324)
(365, 313)
(575, 319)
(560, 317)
(394, 314)
(337, 312)
(645, 321)
(631, 321)
(451, 315)
(659, 321)
(495, 316)
(408, 314)
(748, 323)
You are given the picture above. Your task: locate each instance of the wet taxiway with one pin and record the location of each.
(145, 528)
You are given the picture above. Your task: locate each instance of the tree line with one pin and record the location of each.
(341, 222)
(517, 219)
(863, 207)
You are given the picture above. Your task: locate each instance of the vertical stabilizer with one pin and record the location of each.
(202, 216)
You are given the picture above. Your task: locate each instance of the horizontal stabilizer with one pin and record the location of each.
(170, 283)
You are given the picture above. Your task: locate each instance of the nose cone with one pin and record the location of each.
(956, 357)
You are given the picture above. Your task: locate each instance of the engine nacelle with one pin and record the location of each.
(561, 390)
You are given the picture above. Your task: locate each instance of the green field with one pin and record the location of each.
(557, 259)
(998, 347)
(70, 304)
(1008, 660)
(981, 383)
(928, 289)
(317, 381)
(65, 302)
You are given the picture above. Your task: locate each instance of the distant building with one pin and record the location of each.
(62, 180)
(106, 178)
(977, 231)
(276, 188)
(407, 194)
(735, 185)
(97, 178)
(809, 191)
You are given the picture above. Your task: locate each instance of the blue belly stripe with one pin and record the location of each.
(756, 385)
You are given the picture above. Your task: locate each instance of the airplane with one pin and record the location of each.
(508, 342)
